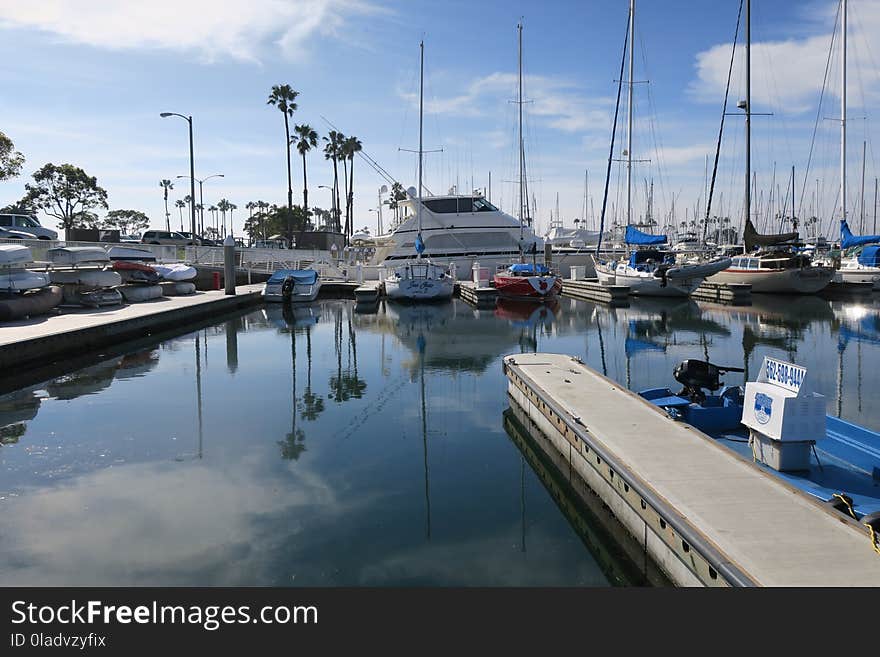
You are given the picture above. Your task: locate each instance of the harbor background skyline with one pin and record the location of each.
(91, 80)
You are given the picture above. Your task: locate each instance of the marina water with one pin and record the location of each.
(324, 446)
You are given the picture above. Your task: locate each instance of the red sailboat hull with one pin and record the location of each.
(528, 287)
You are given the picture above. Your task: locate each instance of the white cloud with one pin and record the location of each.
(559, 102)
(235, 28)
(787, 75)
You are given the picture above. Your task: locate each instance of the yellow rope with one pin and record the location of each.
(874, 542)
(848, 504)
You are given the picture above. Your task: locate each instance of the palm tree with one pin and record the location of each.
(283, 97)
(222, 207)
(351, 145)
(166, 185)
(213, 211)
(306, 139)
(180, 205)
(332, 152)
(232, 206)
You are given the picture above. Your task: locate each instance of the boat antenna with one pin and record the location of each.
(420, 244)
(721, 128)
(613, 135)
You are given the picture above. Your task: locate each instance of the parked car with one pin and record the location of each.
(129, 239)
(166, 237)
(7, 234)
(27, 224)
(198, 241)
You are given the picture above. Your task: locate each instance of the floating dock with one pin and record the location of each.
(477, 296)
(591, 289)
(704, 514)
(734, 294)
(39, 340)
(369, 292)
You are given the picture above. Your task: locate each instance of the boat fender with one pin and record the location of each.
(872, 522)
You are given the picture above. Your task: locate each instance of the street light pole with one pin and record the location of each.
(202, 202)
(332, 198)
(192, 172)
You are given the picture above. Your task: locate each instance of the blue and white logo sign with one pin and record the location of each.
(763, 408)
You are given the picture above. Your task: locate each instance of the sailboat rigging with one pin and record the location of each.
(421, 280)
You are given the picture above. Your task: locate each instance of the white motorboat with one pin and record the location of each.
(292, 286)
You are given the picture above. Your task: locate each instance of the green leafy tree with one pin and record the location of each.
(11, 160)
(283, 97)
(65, 192)
(305, 139)
(127, 222)
(24, 206)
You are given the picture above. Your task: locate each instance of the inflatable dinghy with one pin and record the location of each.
(176, 272)
(177, 289)
(87, 277)
(28, 304)
(129, 253)
(135, 272)
(70, 256)
(76, 295)
(135, 293)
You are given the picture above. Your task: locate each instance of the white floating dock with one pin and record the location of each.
(704, 514)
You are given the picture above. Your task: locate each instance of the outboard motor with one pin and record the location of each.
(287, 288)
(661, 274)
(695, 375)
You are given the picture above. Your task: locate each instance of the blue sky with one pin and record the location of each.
(84, 83)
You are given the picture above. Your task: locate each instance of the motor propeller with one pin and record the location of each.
(695, 375)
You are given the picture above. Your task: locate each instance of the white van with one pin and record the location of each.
(27, 224)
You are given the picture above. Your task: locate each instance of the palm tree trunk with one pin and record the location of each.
(336, 191)
(345, 181)
(305, 189)
(287, 150)
(351, 196)
(167, 219)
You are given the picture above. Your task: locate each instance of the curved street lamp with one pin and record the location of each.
(192, 174)
(202, 201)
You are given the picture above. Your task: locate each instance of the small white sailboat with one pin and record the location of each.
(421, 279)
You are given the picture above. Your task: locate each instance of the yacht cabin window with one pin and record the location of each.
(459, 205)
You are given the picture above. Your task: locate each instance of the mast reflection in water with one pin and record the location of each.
(342, 448)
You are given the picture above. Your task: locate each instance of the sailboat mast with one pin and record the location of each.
(748, 108)
(522, 200)
(629, 148)
(421, 112)
(843, 112)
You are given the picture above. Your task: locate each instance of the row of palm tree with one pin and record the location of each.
(337, 148)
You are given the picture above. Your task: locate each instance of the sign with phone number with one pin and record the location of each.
(782, 374)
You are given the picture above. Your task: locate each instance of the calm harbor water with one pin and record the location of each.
(322, 446)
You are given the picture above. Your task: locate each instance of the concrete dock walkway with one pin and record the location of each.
(40, 339)
(714, 518)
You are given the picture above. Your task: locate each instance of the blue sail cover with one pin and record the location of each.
(848, 240)
(420, 244)
(870, 256)
(528, 268)
(635, 236)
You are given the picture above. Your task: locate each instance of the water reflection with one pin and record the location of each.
(335, 447)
